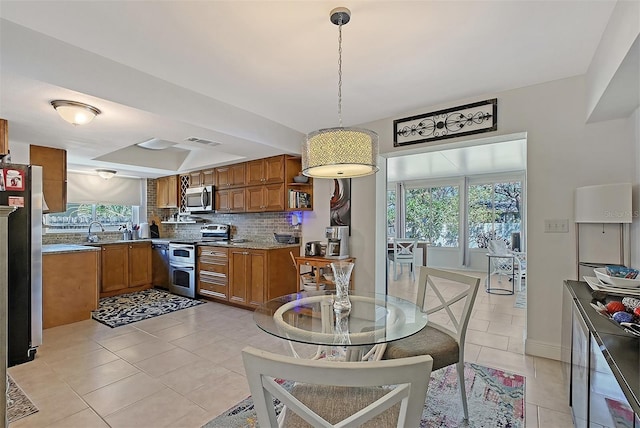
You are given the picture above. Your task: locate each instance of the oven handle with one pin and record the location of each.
(181, 267)
(182, 246)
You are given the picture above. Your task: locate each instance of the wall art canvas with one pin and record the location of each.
(340, 204)
(449, 123)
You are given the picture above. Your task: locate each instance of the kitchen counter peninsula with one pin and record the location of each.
(66, 248)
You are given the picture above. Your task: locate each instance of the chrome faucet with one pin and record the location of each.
(93, 238)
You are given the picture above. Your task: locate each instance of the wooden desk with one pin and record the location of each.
(319, 266)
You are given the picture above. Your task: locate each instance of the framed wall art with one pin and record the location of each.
(340, 204)
(449, 123)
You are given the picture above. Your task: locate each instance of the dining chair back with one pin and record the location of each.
(331, 393)
(404, 254)
(513, 264)
(447, 298)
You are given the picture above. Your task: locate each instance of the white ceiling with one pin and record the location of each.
(256, 76)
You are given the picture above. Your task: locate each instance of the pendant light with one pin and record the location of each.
(340, 152)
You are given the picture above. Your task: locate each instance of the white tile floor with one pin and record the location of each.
(183, 369)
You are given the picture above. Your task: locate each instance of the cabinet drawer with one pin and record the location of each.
(213, 290)
(212, 277)
(212, 252)
(213, 266)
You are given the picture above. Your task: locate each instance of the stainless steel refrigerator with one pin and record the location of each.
(21, 186)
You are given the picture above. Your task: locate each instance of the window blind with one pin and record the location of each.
(91, 189)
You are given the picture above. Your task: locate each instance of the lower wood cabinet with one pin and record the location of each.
(69, 287)
(125, 268)
(213, 268)
(248, 277)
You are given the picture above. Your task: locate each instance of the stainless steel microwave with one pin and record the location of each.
(200, 199)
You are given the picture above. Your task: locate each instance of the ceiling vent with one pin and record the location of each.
(202, 141)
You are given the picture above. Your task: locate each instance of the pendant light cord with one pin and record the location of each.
(340, 71)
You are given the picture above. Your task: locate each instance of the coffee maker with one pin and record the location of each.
(337, 242)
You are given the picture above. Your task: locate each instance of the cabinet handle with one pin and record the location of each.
(130, 246)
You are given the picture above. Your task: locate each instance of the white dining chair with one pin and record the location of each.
(514, 263)
(404, 254)
(447, 298)
(337, 394)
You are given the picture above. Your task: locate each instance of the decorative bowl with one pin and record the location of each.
(601, 274)
(300, 178)
(621, 272)
(312, 287)
(283, 238)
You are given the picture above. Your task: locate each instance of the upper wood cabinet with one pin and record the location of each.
(230, 200)
(54, 175)
(230, 175)
(167, 192)
(265, 171)
(4, 137)
(195, 179)
(269, 197)
(206, 177)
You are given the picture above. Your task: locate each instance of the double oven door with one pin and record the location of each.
(182, 269)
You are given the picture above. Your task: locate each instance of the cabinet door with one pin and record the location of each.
(222, 176)
(239, 275)
(54, 175)
(115, 267)
(257, 277)
(140, 272)
(4, 137)
(208, 177)
(237, 200)
(172, 191)
(254, 197)
(195, 179)
(223, 203)
(273, 197)
(274, 169)
(255, 172)
(161, 192)
(237, 174)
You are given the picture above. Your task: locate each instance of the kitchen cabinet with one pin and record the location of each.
(318, 267)
(167, 192)
(206, 177)
(4, 137)
(125, 268)
(213, 268)
(69, 295)
(54, 175)
(299, 196)
(230, 200)
(268, 197)
(246, 277)
(604, 364)
(265, 171)
(230, 175)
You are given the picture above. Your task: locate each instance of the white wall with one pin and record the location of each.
(562, 153)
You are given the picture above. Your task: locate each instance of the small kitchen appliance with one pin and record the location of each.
(200, 199)
(337, 242)
(312, 248)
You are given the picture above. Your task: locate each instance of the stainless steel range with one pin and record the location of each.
(182, 258)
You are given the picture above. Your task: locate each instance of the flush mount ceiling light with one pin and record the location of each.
(340, 152)
(106, 173)
(74, 112)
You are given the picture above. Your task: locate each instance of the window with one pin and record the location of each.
(78, 217)
(494, 212)
(391, 213)
(433, 214)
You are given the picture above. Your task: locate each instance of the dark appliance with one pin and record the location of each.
(199, 199)
(313, 248)
(160, 264)
(22, 187)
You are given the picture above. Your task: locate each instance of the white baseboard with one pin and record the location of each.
(542, 349)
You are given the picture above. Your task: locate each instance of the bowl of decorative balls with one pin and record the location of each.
(625, 313)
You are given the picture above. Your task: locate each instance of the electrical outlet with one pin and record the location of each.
(556, 226)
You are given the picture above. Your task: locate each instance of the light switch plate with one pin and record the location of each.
(556, 226)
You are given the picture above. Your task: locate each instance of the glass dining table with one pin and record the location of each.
(362, 332)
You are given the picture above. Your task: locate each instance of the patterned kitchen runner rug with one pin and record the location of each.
(495, 398)
(133, 307)
(18, 404)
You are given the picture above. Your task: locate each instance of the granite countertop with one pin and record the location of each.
(66, 248)
(621, 349)
(251, 245)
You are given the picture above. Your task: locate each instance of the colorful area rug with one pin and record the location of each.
(18, 404)
(495, 398)
(133, 307)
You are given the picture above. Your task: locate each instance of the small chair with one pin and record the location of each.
(514, 263)
(445, 343)
(345, 394)
(404, 254)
